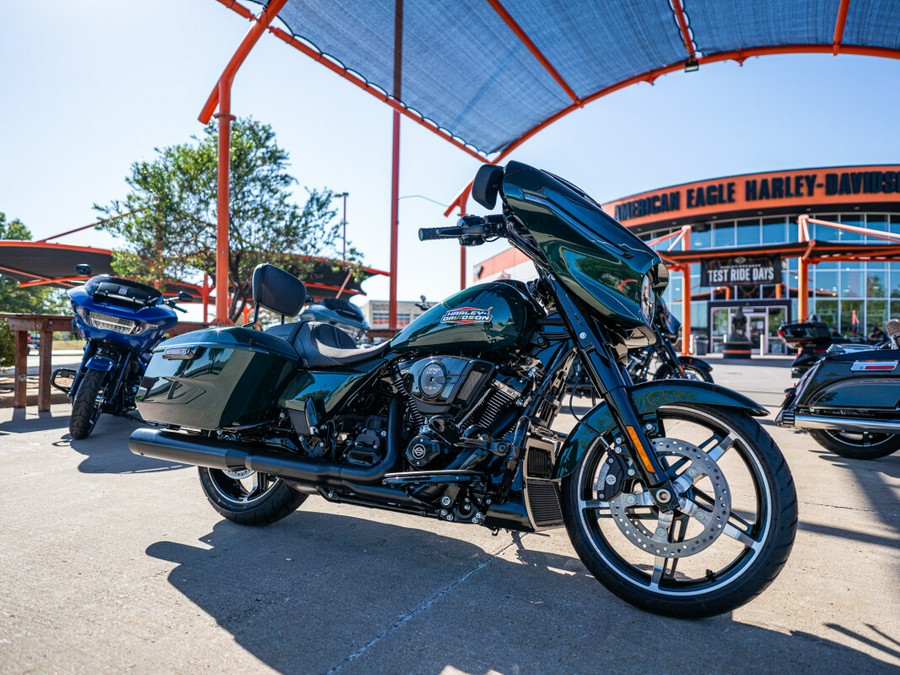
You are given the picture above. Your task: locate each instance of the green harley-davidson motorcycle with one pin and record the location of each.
(673, 495)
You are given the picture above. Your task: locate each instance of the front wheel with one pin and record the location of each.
(249, 497)
(86, 406)
(856, 445)
(722, 546)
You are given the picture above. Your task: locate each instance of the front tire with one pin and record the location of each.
(723, 545)
(857, 446)
(85, 407)
(249, 497)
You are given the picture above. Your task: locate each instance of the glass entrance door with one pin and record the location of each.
(758, 330)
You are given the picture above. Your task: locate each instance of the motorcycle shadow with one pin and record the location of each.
(319, 592)
(106, 449)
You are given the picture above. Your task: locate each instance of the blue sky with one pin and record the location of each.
(89, 87)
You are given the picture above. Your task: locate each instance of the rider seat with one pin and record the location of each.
(321, 345)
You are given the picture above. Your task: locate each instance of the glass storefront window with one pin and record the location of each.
(823, 232)
(793, 230)
(895, 224)
(895, 280)
(851, 236)
(877, 221)
(895, 309)
(773, 231)
(723, 235)
(876, 283)
(826, 280)
(826, 311)
(876, 314)
(852, 283)
(700, 238)
(748, 232)
(852, 318)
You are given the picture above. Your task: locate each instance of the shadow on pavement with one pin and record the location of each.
(106, 449)
(325, 593)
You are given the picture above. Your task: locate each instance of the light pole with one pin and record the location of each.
(344, 224)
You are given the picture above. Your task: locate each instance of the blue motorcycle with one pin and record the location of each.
(122, 321)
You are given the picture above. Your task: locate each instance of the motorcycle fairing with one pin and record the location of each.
(647, 397)
(595, 258)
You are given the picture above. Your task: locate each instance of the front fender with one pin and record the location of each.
(647, 398)
(101, 363)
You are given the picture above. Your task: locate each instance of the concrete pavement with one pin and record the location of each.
(113, 562)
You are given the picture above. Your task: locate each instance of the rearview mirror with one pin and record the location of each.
(185, 297)
(85, 270)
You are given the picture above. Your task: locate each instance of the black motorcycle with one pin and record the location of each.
(662, 355)
(659, 361)
(849, 400)
(673, 495)
(812, 339)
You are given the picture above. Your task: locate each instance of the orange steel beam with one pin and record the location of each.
(87, 227)
(683, 28)
(525, 40)
(237, 59)
(686, 295)
(59, 280)
(221, 98)
(839, 26)
(65, 247)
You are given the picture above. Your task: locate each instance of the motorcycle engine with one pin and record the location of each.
(453, 398)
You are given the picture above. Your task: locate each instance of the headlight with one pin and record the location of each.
(114, 323)
(648, 299)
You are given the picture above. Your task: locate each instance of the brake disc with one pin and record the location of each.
(630, 512)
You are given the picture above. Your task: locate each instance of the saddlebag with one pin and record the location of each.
(216, 378)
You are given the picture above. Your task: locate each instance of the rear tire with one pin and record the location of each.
(249, 497)
(692, 372)
(85, 409)
(857, 446)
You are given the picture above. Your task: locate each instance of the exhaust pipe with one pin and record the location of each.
(232, 455)
(855, 425)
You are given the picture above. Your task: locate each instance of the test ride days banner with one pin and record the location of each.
(741, 269)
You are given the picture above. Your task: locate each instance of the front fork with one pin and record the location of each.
(612, 383)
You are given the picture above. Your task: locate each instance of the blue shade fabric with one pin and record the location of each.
(465, 70)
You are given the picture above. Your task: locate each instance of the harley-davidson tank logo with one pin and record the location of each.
(467, 315)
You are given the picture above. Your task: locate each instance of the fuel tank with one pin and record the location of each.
(488, 317)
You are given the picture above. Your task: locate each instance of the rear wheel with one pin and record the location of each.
(726, 541)
(86, 406)
(249, 497)
(690, 371)
(856, 445)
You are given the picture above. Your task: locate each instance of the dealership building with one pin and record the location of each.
(766, 248)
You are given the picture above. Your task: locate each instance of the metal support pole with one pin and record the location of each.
(462, 252)
(395, 223)
(686, 293)
(395, 163)
(803, 289)
(344, 226)
(222, 203)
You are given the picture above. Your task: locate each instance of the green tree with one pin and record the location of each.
(32, 300)
(170, 226)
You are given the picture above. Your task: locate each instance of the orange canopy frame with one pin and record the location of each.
(548, 67)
